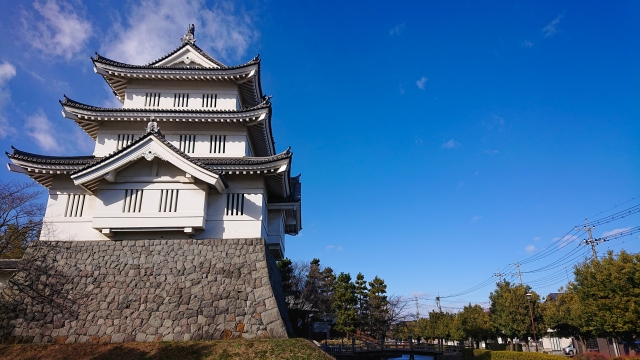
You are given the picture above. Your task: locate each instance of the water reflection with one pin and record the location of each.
(415, 357)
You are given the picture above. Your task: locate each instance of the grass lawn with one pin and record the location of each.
(218, 349)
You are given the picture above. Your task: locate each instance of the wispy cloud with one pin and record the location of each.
(146, 35)
(565, 240)
(475, 218)
(491, 152)
(333, 247)
(530, 249)
(7, 72)
(493, 122)
(527, 43)
(401, 86)
(421, 82)
(614, 231)
(397, 30)
(552, 28)
(536, 239)
(418, 140)
(56, 28)
(451, 144)
(39, 128)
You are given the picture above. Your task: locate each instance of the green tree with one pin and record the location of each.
(286, 271)
(377, 324)
(362, 296)
(440, 326)
(563, 315)
(344, 304)
(608, 291)
(509, 311)
(318, 288)
(20, 217)
(474, 323)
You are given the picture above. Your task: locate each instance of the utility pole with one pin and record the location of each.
(438, 303)
(417, 309)
(519, 274)
(499, 275)
(590, 241)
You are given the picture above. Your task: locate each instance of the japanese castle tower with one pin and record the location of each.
(190, 155)
(170, 229)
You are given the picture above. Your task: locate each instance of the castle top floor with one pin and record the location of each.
(186, 78)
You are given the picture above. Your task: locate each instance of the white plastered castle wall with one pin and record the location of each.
(202, 95)
(209, 140)
(73, 214)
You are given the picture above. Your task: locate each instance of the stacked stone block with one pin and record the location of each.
(144, 290)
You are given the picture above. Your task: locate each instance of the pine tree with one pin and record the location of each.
(286, 270)
(344, 304)
(378, 308)
(362, 296)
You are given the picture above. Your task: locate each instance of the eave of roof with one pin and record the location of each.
(257, 118)
(118, 74)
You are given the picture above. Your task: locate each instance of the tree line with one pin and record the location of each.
(353, 306)
(602, 301)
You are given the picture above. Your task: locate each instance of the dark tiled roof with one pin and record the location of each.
(101, 59)
(78, 105)
(295, 193)
(9, 264)
(158, 135)
(553, 296)
(200, 51)
(57, 160)
(247, 160)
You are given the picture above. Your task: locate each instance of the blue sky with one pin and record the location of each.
(437, 142)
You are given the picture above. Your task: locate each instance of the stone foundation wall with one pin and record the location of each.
(144, 290)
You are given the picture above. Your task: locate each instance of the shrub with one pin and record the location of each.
(481, 354)
(516, 355)
(591, 356)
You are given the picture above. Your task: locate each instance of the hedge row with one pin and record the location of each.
(481, 354)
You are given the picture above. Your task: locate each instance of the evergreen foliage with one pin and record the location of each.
(345, 304)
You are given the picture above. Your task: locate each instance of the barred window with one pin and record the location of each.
(132, 201)
(235, 204)
(124, 140)
(152, 99)
(75, 205)
(217, 144)
(188, 143)
(168, 201)
(181, 100)
(209, 100)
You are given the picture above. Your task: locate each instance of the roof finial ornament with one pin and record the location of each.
(189, 37)
(152, 126)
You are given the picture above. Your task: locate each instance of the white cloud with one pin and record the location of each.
(57, 28)
(334, 247)
(421, 82)
(401, 89)
(451, 144)
(527, 43)
(552, 27)
(537, 238)
(475, 218)
(397, 30)
(614, 231)
(530, 249)
(7, 71)
(40, 129)
(491, 152)
(565, 240)
(147, 35)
